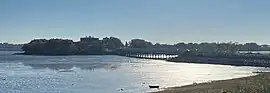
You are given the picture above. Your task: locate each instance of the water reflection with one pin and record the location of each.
(64, 62)
(66, 74)
(84, 66)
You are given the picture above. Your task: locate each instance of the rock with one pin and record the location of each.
(66, 70)
(121, 89)
(150, 86)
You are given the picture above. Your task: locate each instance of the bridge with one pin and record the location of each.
(151, 53)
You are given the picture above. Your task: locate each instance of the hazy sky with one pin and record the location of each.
(165, 21)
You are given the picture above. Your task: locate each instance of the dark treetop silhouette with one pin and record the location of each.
(211, 53)
(10, 47)
(86, 46)
(91, 45)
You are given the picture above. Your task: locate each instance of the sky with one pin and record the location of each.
(164, 21)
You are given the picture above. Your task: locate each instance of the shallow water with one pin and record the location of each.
(104, 74)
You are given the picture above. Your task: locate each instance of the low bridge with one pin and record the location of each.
(148, 53)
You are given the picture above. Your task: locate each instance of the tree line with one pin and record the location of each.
(92, 45)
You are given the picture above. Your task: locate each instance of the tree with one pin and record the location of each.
(126, 45)
(251, 46)
(139, 43)
(34, 46)
(50, 47)
(112, 43)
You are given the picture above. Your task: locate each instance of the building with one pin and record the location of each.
(89, 39)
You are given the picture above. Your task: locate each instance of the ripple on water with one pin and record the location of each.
(104, 74)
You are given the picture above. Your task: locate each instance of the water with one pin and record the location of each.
(261, 52)
(104, 74)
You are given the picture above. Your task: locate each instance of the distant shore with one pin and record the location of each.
(224, 60)
(254, 84)
(255, 60)
(56, 54)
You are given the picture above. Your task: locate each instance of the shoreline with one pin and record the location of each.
(249, 84)
(56, 54)
(221, 63)
(214, 61)
(259, 83)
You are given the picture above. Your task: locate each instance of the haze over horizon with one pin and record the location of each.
(164, 21)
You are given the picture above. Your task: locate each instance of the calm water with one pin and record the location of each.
(262, 52)
(103, 74)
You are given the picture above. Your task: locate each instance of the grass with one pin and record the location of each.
(253, 84)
